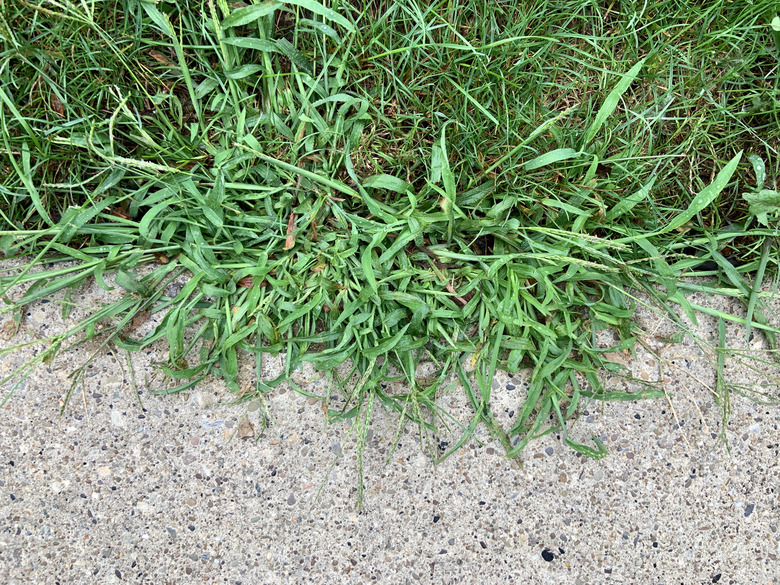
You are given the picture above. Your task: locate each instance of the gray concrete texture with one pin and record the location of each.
(185, 489)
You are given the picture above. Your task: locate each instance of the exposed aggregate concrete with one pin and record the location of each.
(182, 489)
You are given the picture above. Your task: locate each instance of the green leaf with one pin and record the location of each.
(249, 14)
(613, 99)
(366, 261)
(318, 8)
(160, 19)
(252, 43)
(436, 163)
(757, 282)
(214, 216)
(552, 157)
(315, 301)
(388, 182)
(759, 168)
(243, 71)
(116, 175)
(590, 452)
(625, 205)
(322, 28)
(476, 104)
(448, 179)
(762, 203)
(705, 197)
(294, 55)
(385, 345)
(128, 282)
(400, 242)
(145, 226)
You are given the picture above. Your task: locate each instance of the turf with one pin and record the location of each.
(479, 185)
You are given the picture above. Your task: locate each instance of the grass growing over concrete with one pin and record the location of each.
(474, 184)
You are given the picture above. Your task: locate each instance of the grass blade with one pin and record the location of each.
(611, 102)
(323, 11)
(757, 283)
(552, 157)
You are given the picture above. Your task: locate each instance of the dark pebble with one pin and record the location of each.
(436, 518)
(118, 574)
(716, 578)
(510, 386)
(749, 509)
(547, 555)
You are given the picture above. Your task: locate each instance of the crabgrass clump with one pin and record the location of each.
(385, 183)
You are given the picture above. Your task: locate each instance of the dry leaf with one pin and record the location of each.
(139, 319)
(623, 358)
(461, 301)
(246, 282)
(56, 105)
(245, 429)
(160, 58)
(290, 241)
(10, 329)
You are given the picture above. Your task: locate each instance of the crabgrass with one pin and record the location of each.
(474, 184)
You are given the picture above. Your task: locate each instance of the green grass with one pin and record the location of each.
(388, 183)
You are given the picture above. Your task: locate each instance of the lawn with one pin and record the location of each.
(473, 185)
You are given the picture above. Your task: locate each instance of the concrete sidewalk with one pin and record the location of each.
(168, 491)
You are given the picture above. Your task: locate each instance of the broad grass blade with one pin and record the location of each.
(552, 157)
(705, 196)
(611, 102)
(249, 14)
(318, 8)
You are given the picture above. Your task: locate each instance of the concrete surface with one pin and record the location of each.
(180, 489)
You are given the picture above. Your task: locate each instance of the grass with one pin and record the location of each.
(478, 185)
